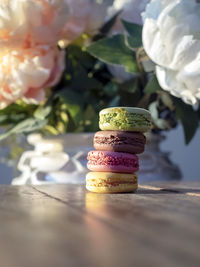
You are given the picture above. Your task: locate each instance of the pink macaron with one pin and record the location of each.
(104, 161)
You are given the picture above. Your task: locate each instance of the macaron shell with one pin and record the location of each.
(134, 128)
(120, 168)
(125, 119)
(106, 182)
(120, 141)
(109, 190)
(104, 161)
(127, 109)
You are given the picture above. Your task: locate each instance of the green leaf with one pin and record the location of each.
(135, 32)
(26, 126)
(188, 117)
(42, 112)
(152, 86)
(12, 118)
(114, 51)
(29, 125)
(18, 108)
(133, 43)
(16, 113)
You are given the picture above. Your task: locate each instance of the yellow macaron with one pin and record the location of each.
(109, 182)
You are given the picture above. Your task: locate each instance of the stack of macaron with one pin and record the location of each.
(114, 163)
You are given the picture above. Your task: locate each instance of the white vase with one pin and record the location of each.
(155, 164)
(63, 159)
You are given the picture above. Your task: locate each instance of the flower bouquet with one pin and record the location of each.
(62, 61)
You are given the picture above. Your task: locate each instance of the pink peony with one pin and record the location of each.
(26, 73)
(87, 16)
(33, 22)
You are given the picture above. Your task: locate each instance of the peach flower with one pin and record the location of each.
(33, 22)
(25, 73)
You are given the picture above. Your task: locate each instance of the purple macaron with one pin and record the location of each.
(120, 141)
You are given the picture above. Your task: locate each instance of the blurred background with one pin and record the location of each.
(82, 56)
(186, 157)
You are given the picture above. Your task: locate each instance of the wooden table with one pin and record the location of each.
(63, 226)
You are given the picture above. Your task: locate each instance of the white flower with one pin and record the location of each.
(171, 38)
(26, 73)
(87, 16)
(32, 22)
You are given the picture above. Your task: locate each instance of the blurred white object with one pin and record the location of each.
(131, 11)
(60, 159)
(171, 38)
(155, 165)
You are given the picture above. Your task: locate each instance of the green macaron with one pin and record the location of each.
(125, 119)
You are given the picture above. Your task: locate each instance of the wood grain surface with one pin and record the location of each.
(64, 225)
